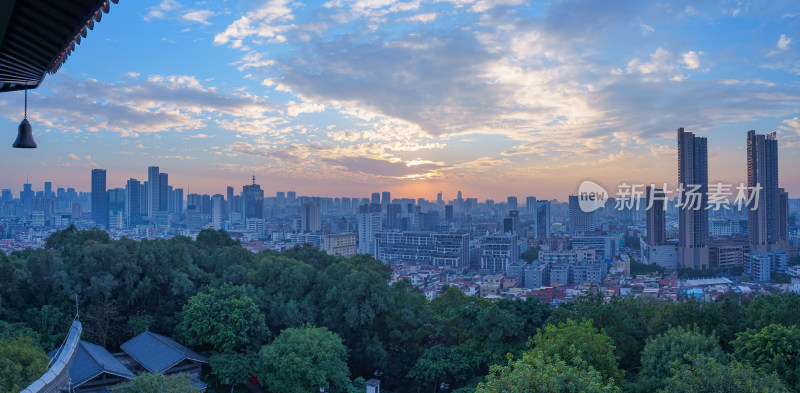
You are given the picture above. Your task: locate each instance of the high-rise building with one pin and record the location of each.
(253, 201)
(393, 213)
(133, 203)
(163, 192)
(511, 223)
(580, 222)
(368, 225)
(116, 208)
(310, 217)
(26, 196)
(153, 192)
(656, 217)
(498, 252)
(530, 206)
(448, 213)
(693, 213)
(424, 248)
(543, 219)
(386, 198)
(99, 198)
(229, 201)
(48, 189)
(766, 220)
(512, 203)
(217, 203)
(177, 195)
(291, 196)
(376, 198)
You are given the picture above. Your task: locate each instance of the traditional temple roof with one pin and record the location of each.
(37, 36)
(157, 353)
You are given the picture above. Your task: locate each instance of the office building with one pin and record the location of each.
(163, 192)
(580, 222)
(153, 192)
(252, 201)
(656, 216)
(99, 198)
(393, 214)
(693, 213)
(133, 216)
(423, 248)
(386, 198)
(498, 251)
(448, 213)
(543, 223)
(512, 203)
(530, 206)
(767, 215)
(310, 217)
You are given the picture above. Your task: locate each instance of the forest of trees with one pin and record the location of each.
(302, 319)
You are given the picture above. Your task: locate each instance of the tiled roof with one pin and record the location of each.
(157, 353)
(93, 360)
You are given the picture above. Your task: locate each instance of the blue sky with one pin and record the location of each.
(346, 97)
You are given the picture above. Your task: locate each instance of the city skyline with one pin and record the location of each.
(490, 98)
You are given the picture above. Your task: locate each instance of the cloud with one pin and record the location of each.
(427, 17)
(260, 23)
(783, 42)
(691, 59)
(371, 166)
(74, 157)
(199, 16)
(158, 103)
(159, 11)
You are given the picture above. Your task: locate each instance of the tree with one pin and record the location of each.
(234, 367)
(21, 363)
(537, 372)
(440, 364)
(211, 239)
(706, 375)
(531, 254)
(668, 351)
(775, 348)
(302, 360)
(223, 319)
(773, 309)
(158, 383)
(577, 343)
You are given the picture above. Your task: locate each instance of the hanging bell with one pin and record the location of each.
(25, 136)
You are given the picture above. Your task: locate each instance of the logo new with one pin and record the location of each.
(591, 196)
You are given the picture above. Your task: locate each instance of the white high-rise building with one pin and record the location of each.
(368, 225)
(217, 208)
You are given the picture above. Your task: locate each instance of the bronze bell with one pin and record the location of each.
(25, 136)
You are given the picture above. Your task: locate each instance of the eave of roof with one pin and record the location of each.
(37, 36)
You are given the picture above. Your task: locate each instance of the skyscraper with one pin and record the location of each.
(543, 219)
(376, 198)
(153, 192)
(217, 202)
(133, 203)
(766, 224)
(368, 225)
(163, 192)
(448, 213)
(291, 196)
(386, 198)
(693, 216)
(656, 222)
(48, 189)
(512, 203)
(99, 198)
(310, 217)
(530, 206)
(178, 196)
(580, 222)
(253, 201)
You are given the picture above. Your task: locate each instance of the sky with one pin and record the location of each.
(348, 97)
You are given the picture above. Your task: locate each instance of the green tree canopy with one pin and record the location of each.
(223, 319)
(158, 383)
(670, 350)
(21, 362)
(537, 372)
(706, 375)
(302, 360)
(235, 367)
(580, 341)
(775, 348)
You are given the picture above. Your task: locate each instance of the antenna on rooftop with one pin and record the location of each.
(254, 178)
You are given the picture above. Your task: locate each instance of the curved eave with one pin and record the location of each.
(37, 37)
